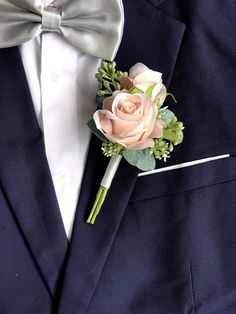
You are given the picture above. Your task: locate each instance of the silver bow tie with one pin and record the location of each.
(93, 26)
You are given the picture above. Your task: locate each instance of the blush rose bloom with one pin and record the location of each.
(130, 120)
(142, 77)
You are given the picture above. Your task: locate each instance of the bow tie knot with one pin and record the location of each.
(51, 19)
(95, 27)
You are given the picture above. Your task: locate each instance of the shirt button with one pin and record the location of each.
(61, 176)
(55, 76)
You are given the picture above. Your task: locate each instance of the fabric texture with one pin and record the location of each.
(163, 243)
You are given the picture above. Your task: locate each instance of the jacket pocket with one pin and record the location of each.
(185, 179)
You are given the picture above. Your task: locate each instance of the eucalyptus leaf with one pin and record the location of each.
(166, 115)
(140, 159)
(91, 124)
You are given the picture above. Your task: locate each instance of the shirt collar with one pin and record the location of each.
(57, 3)
(47, 2)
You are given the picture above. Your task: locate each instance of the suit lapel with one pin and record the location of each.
(151, 37)
(24, 173)
(90, 245)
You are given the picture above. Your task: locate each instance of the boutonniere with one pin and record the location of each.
(132, 122)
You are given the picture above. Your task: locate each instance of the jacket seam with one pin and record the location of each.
(192, 288)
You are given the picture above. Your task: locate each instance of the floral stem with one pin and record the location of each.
(95, 205)
(104, 187)
(100, 198)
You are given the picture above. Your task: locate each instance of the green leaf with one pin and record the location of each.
(166, 115)
(99, 100)
(168, 134)
(150, 90)
(91, 124)
(140, 159)
(135, 90)
(180, 135)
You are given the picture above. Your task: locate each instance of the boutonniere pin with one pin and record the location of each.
(132, 122)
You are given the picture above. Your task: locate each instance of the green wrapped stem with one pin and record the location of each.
(100, 198)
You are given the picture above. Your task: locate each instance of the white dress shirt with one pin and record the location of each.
(63, 88)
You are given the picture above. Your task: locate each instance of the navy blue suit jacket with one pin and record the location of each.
(163, 243)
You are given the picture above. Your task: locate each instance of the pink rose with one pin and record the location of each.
(142, 77)
(130, 120)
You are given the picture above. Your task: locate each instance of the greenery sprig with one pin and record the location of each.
(108, 78)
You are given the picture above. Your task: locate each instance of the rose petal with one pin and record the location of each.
(128, 107)
(136, 116)
(124, 128)
(137, 69)
(128, 119)
(106, 125)
(125, 141)
(107, 103)
(158, 129)
(96, 119)
(119, 96)
(147, 143)
(102, 114)
(159, 94)
(149, 76)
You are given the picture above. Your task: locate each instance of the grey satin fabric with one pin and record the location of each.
(93, 26)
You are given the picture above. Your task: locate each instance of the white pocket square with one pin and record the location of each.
(184, 165)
